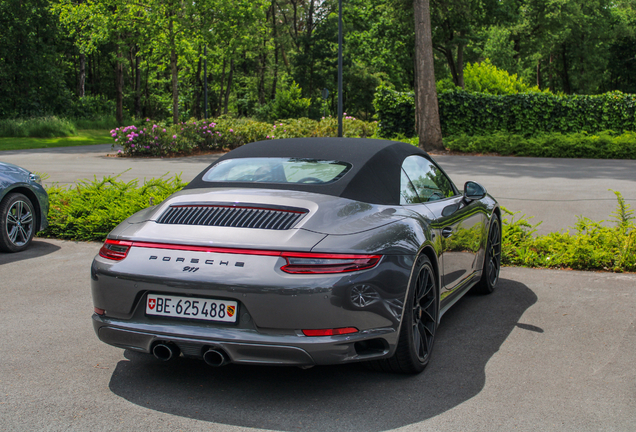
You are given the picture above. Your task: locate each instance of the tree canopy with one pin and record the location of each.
(148, 56)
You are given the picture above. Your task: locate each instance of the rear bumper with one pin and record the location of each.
(245, 346)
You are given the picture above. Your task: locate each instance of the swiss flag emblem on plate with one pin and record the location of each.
(151, 303)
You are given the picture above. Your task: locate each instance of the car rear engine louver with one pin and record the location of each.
(232, 216)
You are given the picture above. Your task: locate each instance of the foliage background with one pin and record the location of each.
(149, 56)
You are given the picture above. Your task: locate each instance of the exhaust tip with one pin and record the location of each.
(165, 351)
(215, 357)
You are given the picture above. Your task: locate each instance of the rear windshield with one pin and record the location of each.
(277, 170)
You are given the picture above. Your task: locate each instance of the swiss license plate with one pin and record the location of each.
(192, 308)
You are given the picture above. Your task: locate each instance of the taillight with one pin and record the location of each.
(330, 332)
(115, 249)
(311, 263)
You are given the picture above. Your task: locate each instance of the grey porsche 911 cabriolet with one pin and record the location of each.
(309, 251)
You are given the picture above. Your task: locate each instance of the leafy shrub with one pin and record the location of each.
(527, 114)
(287, 104)
(486, 78)
(38, 127)
(157, 139)
(592, 245)
(89, 210)
(604, 145)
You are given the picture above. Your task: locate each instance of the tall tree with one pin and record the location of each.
(427, 122)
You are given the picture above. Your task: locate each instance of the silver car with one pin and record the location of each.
(24, 206)
(302, 252)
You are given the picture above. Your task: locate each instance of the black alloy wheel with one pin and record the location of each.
(17, 223)
(492, 259)
(419, 323)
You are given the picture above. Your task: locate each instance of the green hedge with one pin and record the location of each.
(526, 114)
(604, 145)
(396, 112)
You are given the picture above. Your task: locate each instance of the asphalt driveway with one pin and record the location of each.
(554, 191)
(548, 351)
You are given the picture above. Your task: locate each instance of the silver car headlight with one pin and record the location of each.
(35, 178)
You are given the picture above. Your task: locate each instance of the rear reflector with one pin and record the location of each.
(311, 263)
(99, 311)
(115, 249)
(330, 332)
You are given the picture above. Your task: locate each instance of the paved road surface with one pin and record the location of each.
(548, 351)
(554, 191)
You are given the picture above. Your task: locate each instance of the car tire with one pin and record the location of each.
(419, 323)
(492, 260)
(17, 223)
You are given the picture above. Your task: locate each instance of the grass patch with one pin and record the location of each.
(40, 127)
(83, 137)
(107, 122)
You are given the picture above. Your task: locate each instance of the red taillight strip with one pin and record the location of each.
(211, 249)
(345, 262)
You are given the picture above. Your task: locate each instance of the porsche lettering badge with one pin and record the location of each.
(197, 261)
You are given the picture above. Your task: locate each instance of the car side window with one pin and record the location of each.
(407, 191)
(428, 181)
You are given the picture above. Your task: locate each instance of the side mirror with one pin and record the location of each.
(473, 191)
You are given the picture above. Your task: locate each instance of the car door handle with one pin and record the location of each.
(447, 232)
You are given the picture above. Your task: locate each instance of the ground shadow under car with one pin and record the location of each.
(348, 397)
(36, 249)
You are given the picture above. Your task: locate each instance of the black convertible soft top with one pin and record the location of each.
(373, 178)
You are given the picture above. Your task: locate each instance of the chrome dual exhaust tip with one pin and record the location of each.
(165, 351)
(216, 357)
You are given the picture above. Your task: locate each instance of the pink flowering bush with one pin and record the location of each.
(153, 139)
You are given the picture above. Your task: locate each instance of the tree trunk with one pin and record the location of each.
(221, 93)
(228, 87)
(261, 79)
(448, 53)
(460, 65)
(137, 83)
(550, 84)
(175, 73)
(82, 75)
(566, 77)
(119, 86)
(275, 37)
(198, 90)
(429, 130)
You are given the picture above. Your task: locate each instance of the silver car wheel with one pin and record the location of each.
(18, 223)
